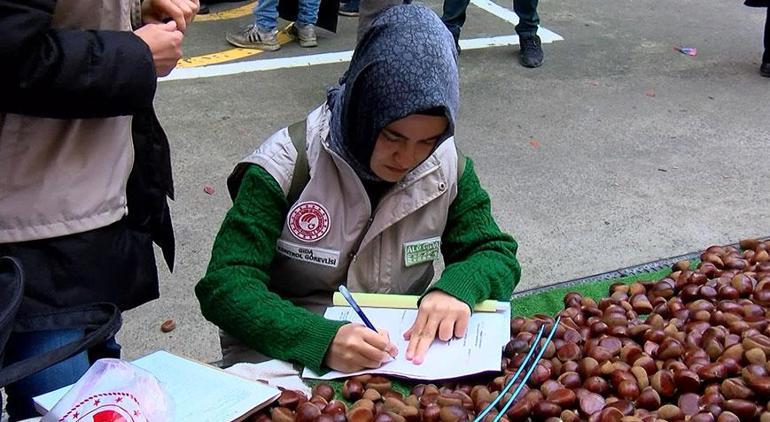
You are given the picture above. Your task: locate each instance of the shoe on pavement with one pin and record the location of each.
(251, 37)
(349, 9)
(305, 34)
(764, 70)
(203, 9)
(531, 52)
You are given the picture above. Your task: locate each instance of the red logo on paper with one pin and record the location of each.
(308, 221)
(106, 407)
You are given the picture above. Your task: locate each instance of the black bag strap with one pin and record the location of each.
(298, 134)
(301, 175)
(11, 295)
(100, 321)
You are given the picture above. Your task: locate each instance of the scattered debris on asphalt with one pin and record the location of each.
(168, 326)
(690, 51)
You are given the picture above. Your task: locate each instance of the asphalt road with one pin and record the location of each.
(618, 151)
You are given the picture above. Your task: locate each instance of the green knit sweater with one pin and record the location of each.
(480, 264)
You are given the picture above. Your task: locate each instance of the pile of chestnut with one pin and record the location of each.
(693, 346)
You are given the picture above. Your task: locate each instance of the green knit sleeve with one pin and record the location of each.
(480, 259)
(234, 293)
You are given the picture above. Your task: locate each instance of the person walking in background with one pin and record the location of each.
(764, 68)
(263, 34)
(530, 52)
(84, 164)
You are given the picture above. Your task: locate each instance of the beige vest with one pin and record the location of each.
(331, 236)
(60, 177)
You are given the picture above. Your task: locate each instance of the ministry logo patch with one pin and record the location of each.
(308, 221)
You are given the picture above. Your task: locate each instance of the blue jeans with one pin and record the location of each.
(526, 10)
(266, 13)
(23, 345)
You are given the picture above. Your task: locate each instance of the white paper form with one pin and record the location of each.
(200, 392)
(480, 350)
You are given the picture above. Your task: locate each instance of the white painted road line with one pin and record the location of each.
(509, 16)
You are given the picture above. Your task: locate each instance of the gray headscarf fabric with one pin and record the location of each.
(405, 63)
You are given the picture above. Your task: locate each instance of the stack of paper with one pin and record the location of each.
(479, 351)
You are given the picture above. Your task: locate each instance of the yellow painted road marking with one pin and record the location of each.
(228, 55)
(227, 14)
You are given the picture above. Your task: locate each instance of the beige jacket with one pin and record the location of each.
(331, 235)
(59, 177)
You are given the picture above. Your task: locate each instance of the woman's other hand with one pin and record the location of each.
(356, 347)
(441, 315)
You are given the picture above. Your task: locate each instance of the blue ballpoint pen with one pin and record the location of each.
(346, 294)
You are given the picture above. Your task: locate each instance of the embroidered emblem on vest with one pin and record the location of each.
(421, 251)
(308, 221)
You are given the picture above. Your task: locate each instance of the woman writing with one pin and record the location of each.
(386, 193)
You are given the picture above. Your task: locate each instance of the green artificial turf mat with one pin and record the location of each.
(550, 301)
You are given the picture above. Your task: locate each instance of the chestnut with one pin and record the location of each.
(324, 390)
(670, 413)
(282, 414)
(596, 385)
(648, 399)
(628, 390)
(663, 382)
(570, 380)
(290, 399)
(562, 397)
(744, 409)
(307, 412)
(352, 390)
(545, 409)
(590, 403)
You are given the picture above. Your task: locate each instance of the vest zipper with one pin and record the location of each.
(354, 255)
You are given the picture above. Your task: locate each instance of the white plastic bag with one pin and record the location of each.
(114, 390)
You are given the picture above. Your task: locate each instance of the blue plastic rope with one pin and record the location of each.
(513, 379)
(529, 372)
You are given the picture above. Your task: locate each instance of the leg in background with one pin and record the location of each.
(24, 345)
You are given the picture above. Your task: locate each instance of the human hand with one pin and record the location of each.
(439, 313)
(357, 347)
(180, 11)
(165, 43)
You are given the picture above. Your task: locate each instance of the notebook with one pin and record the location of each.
(200, 392)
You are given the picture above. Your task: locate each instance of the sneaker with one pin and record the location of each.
(203, 9)
(349, 9)
(251, 37)
(305, 34)
(764, 70)
(531, 53)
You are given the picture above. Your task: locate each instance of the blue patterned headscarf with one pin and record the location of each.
(404, 63)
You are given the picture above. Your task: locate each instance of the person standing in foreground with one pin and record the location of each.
(386, 192)
(530, 48)
(263, 34)
(84, 163)
(764, 68)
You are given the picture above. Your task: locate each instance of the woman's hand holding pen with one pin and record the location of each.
(439, 314)
(357, 347)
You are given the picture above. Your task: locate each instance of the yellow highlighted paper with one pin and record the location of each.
(378, 300)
